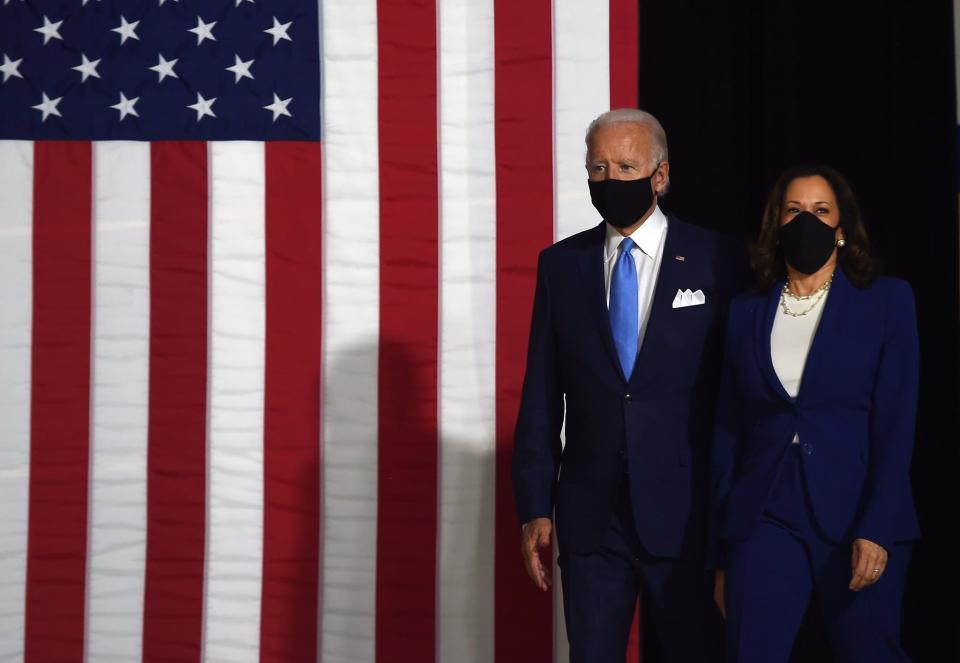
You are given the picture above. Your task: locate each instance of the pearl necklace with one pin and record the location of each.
(817, 295)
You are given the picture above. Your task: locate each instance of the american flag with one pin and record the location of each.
(266, 270)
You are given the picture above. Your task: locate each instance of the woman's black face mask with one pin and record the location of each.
(807, 242)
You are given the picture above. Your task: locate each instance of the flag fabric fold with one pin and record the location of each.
(266, 273)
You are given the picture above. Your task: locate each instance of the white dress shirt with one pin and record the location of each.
(647, 254)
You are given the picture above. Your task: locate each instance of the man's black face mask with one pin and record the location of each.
(621, 203)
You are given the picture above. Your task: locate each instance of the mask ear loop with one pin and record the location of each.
(656, 169)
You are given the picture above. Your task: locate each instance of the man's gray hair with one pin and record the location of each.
(635, 116)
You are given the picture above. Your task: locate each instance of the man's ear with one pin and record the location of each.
(661, 176)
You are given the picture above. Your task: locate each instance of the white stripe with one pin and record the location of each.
(561, 648)
(118, 446)
(351, 329)
(16, 293)
(581, 79)
(235, 483)
(581, 66)
(467, 332)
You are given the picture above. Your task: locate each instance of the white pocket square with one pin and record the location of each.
(688, 298)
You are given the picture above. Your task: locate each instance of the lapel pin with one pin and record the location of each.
(679, 258)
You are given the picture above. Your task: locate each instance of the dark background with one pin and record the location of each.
(746, 89)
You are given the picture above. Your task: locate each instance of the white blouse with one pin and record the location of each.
(792, 337)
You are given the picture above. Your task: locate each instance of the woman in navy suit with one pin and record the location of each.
(810, 478)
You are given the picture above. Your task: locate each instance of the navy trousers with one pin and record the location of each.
(600, 592)
(772, 575)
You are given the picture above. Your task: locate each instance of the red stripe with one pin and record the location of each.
(523, 617)
(624, 53)
(624, 73)
(60, 401)
(634, 652)
(176, 456)
(409, 292)
(291, 491)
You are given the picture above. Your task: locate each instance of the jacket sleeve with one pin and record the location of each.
(893, 416)
(537, 448)
(723, 452)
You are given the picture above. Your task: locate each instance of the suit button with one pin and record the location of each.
(807, 448)
(628, 397)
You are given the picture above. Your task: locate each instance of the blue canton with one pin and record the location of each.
(159, 70)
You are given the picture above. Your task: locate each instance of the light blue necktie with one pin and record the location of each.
(624, 316)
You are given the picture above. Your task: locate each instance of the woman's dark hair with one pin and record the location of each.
(854, 258)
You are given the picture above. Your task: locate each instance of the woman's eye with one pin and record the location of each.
(793, 210)
(822, 210)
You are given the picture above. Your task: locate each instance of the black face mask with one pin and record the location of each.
(807, 242)
(621, 203)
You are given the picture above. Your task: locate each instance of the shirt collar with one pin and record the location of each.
(647, 236)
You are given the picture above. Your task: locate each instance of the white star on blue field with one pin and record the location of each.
(159, 70)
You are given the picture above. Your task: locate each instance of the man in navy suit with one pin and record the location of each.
(625, 340)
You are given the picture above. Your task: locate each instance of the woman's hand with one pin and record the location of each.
(868, 563)
(718, 578)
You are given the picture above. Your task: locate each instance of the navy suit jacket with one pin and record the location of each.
(659, 423)
(855, 415)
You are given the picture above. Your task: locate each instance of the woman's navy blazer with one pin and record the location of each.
(855, 416)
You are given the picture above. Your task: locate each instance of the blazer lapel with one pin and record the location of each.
(669, 280)
(765, 316)
(821, 358)
(591, 267)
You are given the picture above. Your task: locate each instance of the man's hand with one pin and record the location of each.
(868, 563)
(536, 535)
(719, 576)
